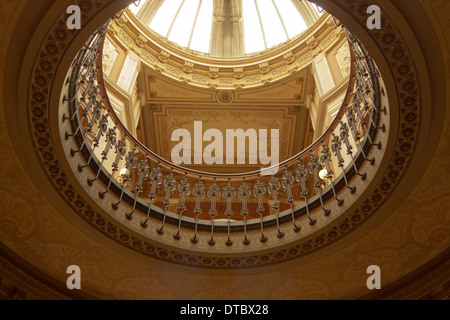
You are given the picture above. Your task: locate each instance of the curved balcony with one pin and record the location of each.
(143, 184)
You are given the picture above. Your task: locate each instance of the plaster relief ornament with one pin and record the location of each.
(141, 41)
(289, 58)
(213, 73)
(238, 73)
(312, 43)
(188, 67)
(163, 56)
(264, 68)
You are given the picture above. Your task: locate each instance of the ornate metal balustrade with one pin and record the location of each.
(143, 181)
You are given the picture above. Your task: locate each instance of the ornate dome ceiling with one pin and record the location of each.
(53, 215)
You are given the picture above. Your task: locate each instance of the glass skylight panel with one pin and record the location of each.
(254, 40)
(318, 9)
(292, 19)
(273, 29)
(164, 17)
(266, 23)
(184, 23)
(135, 9)
(201, 37)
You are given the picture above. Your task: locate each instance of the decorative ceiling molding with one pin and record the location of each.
(200, 70)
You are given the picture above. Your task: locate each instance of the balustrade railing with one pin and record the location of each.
(144, 181)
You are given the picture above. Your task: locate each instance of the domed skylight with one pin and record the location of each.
(190, 23)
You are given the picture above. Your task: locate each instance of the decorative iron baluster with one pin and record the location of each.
(102, 129)
(229, 193)
(169, 186)
(336, 147)
(91, 66)
(155, 180)
(274, 188)
(95, 118)
(131, 162)
(314, 168)
(92, 92)
(213, 195)
(92, 100)
(121, 150)
(184, 190)
(92, 75)
(344, 133)
(325, 160)
(359, 90)
(143, 169)
(244, 194)
(359, 98)
(198, 193)
(96, 114)
(259, 192)
(356, 103)
(352, 123)
(301, 175)
(288, 182)
(111, 139)
(351, 119)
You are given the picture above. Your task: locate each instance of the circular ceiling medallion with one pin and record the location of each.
(225, 97)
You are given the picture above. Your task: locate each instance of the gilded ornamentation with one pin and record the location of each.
(188, 67)
(213, 73)
(238, 73)
(312, 43)
(264, 68)
(141, 41)
(268, 59)
(163, 56)
(289, 58)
